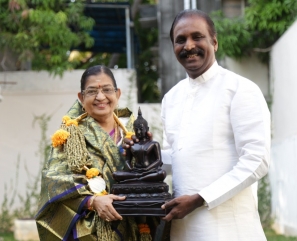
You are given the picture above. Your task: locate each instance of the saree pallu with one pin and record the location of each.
(64, 194)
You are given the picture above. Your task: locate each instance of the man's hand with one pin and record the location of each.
(150, 135)
(182, 206)
(127, 143)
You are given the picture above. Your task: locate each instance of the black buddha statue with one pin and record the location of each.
(143, 159)
(142, 180)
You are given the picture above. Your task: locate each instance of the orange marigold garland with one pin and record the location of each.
(71, 122)
(129, 135)
(102, 193)
(59, 137)
(96, 182)
(92, 172)
(144, 228)
(144, 231)
(74, 143)
(65, 119)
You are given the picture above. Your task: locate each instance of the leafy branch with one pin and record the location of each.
(44, 31)
(261, 26)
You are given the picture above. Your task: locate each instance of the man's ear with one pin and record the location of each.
(215, 43)
(80, 97)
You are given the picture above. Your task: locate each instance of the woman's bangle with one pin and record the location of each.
(90, 203)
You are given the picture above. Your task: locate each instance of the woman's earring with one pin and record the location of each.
(83, 109)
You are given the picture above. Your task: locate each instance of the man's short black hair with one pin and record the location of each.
(189, 12)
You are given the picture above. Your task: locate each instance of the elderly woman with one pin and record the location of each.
(76, 179)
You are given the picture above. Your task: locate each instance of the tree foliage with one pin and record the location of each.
(44, 31)
(146, 67)
(257, 30)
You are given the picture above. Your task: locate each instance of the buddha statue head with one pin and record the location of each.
(140, 126)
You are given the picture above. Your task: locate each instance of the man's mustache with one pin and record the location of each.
(185, 53)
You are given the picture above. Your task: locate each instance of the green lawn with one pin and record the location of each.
(271, 236)
(6, 237)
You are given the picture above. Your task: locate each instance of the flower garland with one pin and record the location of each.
(92, 172)
(74, 143)
(129, 134)
(144, 228)
(144, 231)
(59, 137)
(102, 193)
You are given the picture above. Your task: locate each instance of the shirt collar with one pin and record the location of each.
(206, 75)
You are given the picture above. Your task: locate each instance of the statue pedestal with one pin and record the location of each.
(142, 198)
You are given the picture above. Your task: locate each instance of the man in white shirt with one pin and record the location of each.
(217, 139)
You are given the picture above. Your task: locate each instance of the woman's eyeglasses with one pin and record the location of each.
(106, 90)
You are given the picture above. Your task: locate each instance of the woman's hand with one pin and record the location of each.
(103, 206)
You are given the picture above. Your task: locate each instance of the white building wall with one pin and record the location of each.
(252, 69)
(283, 173)
(38, 93)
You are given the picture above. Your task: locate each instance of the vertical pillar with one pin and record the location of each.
(128, 38)
(169, 68)
(187, 4)
(208, 5)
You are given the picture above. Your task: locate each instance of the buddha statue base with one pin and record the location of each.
(142, 198)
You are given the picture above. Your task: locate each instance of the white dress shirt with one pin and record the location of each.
(217, 138)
